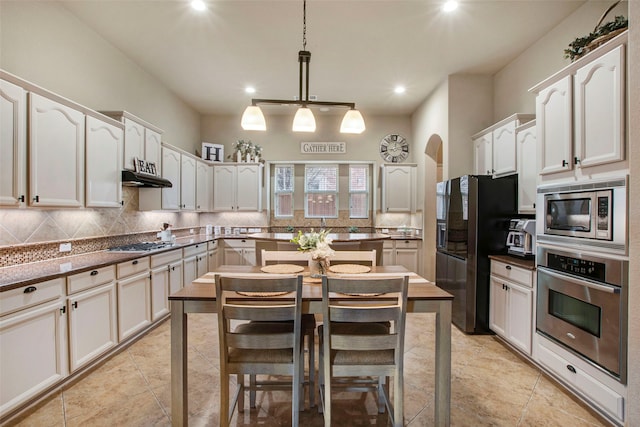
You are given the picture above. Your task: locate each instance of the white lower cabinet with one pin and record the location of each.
(134, 297)
(213, 255)
(402, 252)
(511, 304)
(33, 349)
(195, 262)
(163, 267)
(92, 324)
(239, 252)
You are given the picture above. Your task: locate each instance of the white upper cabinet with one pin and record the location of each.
(495, 147)
(204, 181)
(141, 139)
(171, 162)
(599, 90)
(237, 187)
(527, 152)
(13, 144)
(398, 188)
(103, 163)
(187, 182)
(56, 153)
(582, 116)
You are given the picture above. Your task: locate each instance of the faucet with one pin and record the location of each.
(323, 223)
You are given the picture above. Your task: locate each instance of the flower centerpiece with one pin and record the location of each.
(319, 245)
(241, 149)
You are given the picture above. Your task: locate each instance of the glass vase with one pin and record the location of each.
(318, 267)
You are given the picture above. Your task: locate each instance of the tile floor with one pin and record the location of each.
(491, 386)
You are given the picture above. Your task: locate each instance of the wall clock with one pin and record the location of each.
(394, 148)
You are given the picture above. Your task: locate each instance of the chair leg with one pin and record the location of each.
(240, 381)
(224, 399)
(312, 369)
(382, 389)
(252, 391)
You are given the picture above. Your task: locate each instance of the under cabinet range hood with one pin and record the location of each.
(141, 180)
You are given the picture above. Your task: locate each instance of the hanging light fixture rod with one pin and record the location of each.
(253, 119)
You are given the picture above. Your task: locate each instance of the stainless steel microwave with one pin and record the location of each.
(591, 213)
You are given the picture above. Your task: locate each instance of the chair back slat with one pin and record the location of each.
(260, 313)
(354, 257)
(285, 257)
(364, 342)
(260, 341)
(368, 313)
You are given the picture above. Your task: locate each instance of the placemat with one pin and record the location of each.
(357, 294)
(261, 294)
(349, 268)
(282, 268)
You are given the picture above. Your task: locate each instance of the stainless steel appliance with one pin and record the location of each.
(521, 240)
(473, 221)
(581, 304)
(591, 214)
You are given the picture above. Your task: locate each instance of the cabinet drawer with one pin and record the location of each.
(90, 279)
(165, 258)
(199, 248)
(513, 273)
(28, 296)
(239, 243)
(407, 244)
(129, 268)
(583, 383)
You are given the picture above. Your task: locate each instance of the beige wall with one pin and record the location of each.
(45, 44)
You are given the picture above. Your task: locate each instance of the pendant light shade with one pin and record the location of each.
(304, 121)
(352, 122)
(253, 119)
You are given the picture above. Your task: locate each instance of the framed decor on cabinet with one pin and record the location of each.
(212, 152)
(142, 166)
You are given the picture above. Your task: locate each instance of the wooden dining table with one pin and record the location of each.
(200, 297)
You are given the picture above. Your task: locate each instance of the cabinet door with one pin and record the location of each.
(233, 256)
(504, 150)
(600, 112)
(398, 192)
(248, 188)
(33, 344)
(175, 277)
(204, 178)
(408, 258)
(213, 263)
(498, 306)
(92, 324)
(171, 161)
(224, 187)
(527, 149)
(56, 153)
(160, 291)
(133, 143)
(13, 144)
(134, 304)
(482, 149)
(249, 256)
(103, 163)
(188, 183)
(202, 265)
(520, 320)
(554, 127)
(152, 146)
(190, 269)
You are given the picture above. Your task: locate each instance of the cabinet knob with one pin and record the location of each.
(36, 199)
(565, 163)
(571, 369)
(21, 198)
(576, 160)
(508, 267)
(75, 304)
(30, 289)
(134, 262)
(94, 273)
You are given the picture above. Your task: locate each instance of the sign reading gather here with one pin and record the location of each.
(323, 147)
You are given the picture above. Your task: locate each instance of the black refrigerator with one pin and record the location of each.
(473, 215)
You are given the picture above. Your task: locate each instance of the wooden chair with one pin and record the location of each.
(353, 345)
(308, 320)
(354, 257)
(269, 343)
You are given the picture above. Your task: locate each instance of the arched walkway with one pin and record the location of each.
(432, 175)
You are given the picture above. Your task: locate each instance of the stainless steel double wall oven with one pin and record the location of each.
(583, 271)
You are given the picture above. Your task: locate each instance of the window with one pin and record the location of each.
(359, 191)
(283, 191)
(321, 191)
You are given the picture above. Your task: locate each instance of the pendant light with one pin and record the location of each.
(303, 121)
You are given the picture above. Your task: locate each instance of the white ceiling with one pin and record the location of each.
(361, 49)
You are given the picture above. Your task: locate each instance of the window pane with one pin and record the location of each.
(284, 178)
(358, 178)
(284, 205)
(359, 205)
(321, 205)
(321, 178)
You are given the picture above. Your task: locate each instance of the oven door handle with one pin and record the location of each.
(602, 288)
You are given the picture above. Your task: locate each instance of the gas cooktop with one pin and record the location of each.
(142, 247)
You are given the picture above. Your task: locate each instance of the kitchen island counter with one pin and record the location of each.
(337, 237)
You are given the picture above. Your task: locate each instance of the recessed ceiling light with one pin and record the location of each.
(400, 89)
(450, 6)
(198, 5)
(250, 89)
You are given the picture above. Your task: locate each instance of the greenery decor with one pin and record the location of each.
(317, 243)
(602, 33)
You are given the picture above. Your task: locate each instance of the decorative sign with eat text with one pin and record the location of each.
(323, 147)
(142, 166)
(212, 152)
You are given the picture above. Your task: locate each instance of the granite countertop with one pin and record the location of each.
(528, 263)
